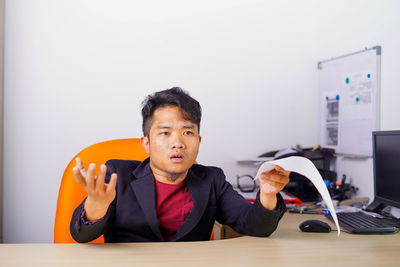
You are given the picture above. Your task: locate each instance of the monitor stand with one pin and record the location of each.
(376, 207)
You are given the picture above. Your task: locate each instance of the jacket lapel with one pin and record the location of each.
(199, 189)
(144, 189)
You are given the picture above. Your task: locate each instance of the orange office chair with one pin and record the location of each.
(71, 193)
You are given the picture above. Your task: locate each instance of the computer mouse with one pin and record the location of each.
(315, 226)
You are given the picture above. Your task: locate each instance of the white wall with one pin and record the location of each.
(1, 112)
(76, 72)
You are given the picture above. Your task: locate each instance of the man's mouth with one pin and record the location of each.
(177, 158)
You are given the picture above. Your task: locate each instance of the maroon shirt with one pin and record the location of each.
(173, 206)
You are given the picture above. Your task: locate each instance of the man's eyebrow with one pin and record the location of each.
(163, 127)
(191, 126)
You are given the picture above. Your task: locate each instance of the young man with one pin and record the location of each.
(167, 197)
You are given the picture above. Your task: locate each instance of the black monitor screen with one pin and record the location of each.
(387, 167)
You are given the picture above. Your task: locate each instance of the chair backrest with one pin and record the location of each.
(71, 193)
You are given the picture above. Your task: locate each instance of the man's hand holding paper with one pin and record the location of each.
(304, 167)
(271, 183)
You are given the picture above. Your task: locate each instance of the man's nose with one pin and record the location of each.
(177, 142)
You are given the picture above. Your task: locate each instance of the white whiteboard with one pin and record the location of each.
(349, 101)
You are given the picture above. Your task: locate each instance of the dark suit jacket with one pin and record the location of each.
(132, 216)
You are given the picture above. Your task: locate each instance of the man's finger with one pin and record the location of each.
(79, 164)
(91, 176)
(78, 177)
(100, 177)
(112, 184)
(274, 177)
(282, 170)
(278, 168)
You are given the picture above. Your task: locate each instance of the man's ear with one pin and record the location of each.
(199, 139)
(144, 141)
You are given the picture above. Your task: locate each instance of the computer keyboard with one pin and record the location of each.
(361, 223)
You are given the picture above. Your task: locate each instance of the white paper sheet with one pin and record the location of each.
(304, 167)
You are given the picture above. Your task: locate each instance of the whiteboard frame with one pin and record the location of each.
(376, 105)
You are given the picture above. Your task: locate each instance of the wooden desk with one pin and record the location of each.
(287, 246)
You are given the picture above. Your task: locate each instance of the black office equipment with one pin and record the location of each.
(386, 155)
(302, 187)
(315, 226)
(361, 223)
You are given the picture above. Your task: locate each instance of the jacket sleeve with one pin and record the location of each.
(244, 217)
(83, 231)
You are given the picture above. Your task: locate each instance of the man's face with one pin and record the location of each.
(173, 144)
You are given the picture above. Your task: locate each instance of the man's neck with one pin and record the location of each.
(168, 178)
(167, 181)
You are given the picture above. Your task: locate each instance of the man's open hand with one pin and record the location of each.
(100, 195)
(271, 183)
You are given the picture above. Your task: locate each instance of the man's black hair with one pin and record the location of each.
(176, 96)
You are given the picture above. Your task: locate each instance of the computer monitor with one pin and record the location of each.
(386, 160)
